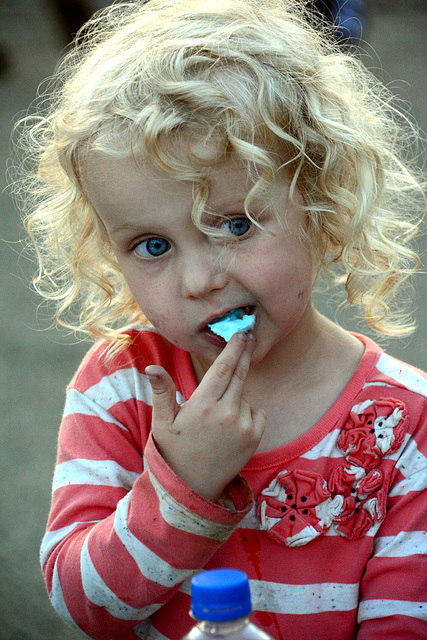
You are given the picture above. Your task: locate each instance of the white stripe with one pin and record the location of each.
(327, 447)
(179, 517)
(57, 600)
(120, 386)
(53, 538)
(402, 374)
(415, 482)
(401, 545)
(150, 565)
(371, 609)
(76, 402)
(412, 464)
(303, 599)
(275, 597)
(101, 595)
(93, 472)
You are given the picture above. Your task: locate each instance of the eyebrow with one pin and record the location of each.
(224, 207)
(124, 226)
(119, 231)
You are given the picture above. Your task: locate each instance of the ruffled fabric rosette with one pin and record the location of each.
(299, 506)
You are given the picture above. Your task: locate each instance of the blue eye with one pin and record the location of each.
(237, 226)
(152, 247)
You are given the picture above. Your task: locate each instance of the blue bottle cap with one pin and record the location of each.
(219, 595)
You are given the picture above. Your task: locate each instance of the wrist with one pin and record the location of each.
(234, 498)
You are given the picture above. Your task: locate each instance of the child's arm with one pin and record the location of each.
(120, 540)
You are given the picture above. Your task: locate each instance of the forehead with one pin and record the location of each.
(186, 155)
(102, 171)
(109, 180)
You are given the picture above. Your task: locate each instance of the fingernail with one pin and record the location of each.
(251, 336)
(153, 377)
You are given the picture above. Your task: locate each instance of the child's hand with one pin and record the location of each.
(208, 440)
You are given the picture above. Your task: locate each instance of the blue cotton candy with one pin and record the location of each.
(231, 324)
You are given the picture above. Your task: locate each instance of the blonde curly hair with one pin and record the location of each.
(252, 77)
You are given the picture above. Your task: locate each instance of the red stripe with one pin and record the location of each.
(91, 438)
(408, 582)
(264, 559)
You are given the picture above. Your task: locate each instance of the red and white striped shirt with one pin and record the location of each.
(329, 528)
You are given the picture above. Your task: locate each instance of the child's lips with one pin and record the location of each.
(204, 326)
(216, 317)
(212, 338)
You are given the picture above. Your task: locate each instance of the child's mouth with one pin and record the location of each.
(225, 326)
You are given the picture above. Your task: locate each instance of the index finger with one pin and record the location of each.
(235, 388)
(218, 377)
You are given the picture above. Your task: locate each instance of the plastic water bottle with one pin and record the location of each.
(221, 604)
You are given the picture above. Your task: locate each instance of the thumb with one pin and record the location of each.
(165, 406)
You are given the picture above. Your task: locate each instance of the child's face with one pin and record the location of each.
(181, 278)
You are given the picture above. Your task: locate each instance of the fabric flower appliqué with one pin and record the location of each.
(298, 506)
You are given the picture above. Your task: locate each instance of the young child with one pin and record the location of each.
(207, 159)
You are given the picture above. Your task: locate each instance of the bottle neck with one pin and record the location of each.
(222, 628)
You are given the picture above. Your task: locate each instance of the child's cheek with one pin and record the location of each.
(158, 319)
(168, 325)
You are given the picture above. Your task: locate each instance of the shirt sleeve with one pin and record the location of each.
(124, 531)
(393, 601)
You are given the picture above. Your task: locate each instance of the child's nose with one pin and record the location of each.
(201, 275)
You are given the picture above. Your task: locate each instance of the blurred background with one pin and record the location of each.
(37, 363)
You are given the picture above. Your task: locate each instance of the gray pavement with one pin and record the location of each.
(36, 364)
